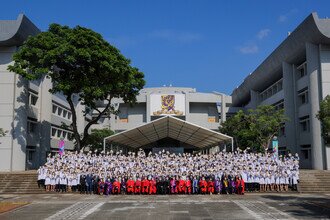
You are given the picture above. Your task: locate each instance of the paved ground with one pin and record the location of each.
(251, 206)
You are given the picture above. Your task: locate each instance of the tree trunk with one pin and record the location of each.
(74, 123)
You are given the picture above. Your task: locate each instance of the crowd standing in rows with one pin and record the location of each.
(168, 173)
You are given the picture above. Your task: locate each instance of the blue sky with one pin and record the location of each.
(208, 45)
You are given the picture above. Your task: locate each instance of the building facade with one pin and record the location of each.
(34, 119)
(204, 109)
(295, 77)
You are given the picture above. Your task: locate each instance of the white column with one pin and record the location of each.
(290, 106)
(313, 71)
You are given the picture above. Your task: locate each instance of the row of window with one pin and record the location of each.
(62, 112)
(272, 90)
(32, 127)
(61, 133)
(57, 109)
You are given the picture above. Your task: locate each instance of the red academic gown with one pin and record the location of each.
(240, 190)
(203, 186)
(188, 186)
(152, 187)
(182, 186)
(138, 186)
(210, 186)
(130, 186)
(116, 187)
(145, 186)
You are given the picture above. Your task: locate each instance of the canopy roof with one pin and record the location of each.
(172, 127)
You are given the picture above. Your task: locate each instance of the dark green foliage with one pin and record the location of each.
(95, 140)
(324, 117)
(254, 129)
(79, 61)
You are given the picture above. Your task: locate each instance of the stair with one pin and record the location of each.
(19, 182)
(314, 181)
(311, 181)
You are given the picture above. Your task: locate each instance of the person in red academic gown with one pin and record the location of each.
(137, 188)
(116, 187)
(203, 185)
(188, 186)
(240, 185)
(210, 186)
(182, 186)
(130, 186)
(145, 186)
(152, 186)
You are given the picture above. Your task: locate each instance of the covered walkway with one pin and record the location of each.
(169, 127)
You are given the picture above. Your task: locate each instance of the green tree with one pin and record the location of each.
(256, 128)
(81, 63)
(324, 117)
(95, 140)
(267, 121)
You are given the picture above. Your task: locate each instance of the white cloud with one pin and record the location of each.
(263, 33)
(178, 36)
(282, 18)
(249, 49)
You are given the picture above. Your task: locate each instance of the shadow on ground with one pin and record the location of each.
(313, 207)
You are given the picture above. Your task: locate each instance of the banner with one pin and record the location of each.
(167, 104)
(61, 147)
(275, 148)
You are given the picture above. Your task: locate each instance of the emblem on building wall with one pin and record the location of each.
(168, 106)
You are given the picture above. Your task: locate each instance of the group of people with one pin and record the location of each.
(168, 173)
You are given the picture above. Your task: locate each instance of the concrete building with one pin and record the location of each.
(206, 110)
(296, 77)
(32, 116)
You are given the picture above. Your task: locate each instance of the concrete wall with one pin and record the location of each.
(13, 115)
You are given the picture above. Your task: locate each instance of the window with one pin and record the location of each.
(65, 113)
(271, 90)
(30, 155)
(54, 132)
(303, 96)
(301, 70)
(59, 111)
(59, 133)
(304, 124)
(31, 127)
(305, 151)
(279, 105)
(33, 98)
(54, 109)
